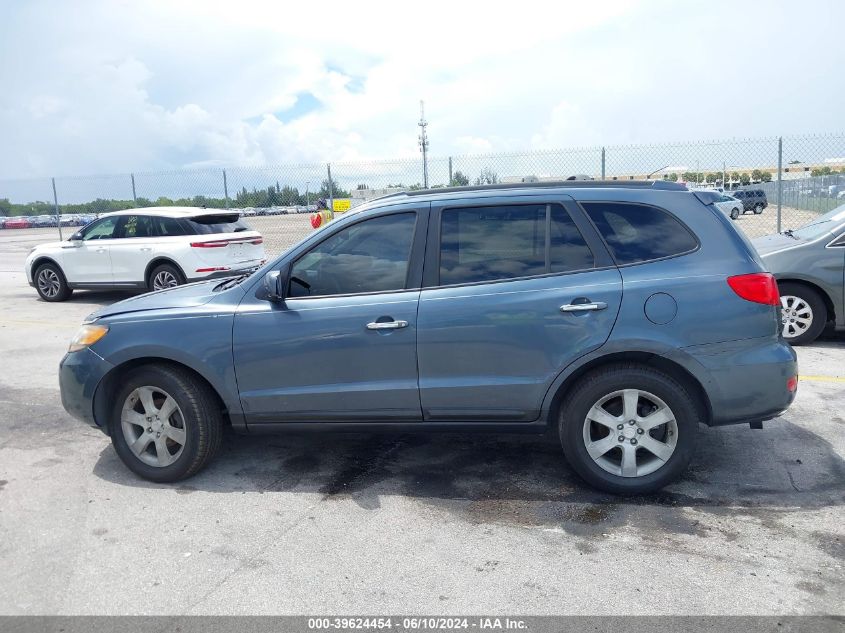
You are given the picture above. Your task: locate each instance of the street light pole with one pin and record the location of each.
(307, 202)
(424, 144)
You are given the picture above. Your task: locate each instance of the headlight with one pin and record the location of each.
(86, 336)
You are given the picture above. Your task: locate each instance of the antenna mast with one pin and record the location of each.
(423, 142)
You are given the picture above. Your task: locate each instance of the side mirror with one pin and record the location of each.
(76, 237)
(274, 285)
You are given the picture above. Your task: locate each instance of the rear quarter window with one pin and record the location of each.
(638, 233)
(216, 223)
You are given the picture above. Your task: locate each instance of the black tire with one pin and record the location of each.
(734, 213)
(758, 209)
(607, 380)
(167, 271)
(817, 305)
(50, 283)
(200, 410)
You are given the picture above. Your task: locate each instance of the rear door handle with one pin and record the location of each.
(386, 325)
(583, 307)
(146, 248)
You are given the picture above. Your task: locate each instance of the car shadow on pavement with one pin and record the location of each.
(522, 479)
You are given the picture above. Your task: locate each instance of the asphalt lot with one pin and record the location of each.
(404, 524)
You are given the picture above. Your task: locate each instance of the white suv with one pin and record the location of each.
(154, 248)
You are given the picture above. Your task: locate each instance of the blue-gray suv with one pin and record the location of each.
(621, 315)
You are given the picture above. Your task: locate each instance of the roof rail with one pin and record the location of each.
(575, 184)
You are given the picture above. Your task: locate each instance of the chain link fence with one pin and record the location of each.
(801, 177)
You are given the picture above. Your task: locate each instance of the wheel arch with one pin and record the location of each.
(158, 261)
(652, 359)
(828, 302)
(104, 394)
(45, 259)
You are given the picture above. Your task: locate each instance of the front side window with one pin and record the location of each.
(504, 242)
(370, 256)
(101, 229)
(639, 233)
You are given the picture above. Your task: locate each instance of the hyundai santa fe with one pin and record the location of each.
(151, 248)
(621, 315)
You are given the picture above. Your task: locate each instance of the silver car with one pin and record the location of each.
(809, 265)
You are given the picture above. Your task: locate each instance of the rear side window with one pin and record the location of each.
(639, 233)
(217, 223)
(168, 227)
(504, 242)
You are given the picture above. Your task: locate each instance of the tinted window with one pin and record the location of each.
(567, 248)
(167, 227)
(370, 256)
(137, 226)
(217, 223)
(638, 233)
(101, 229)
(488, 243)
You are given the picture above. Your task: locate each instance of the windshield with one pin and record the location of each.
(822, 224)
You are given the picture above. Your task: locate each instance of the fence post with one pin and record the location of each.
(780, 179)
(56, 202)
(134, 198)
(602, 164)
(331, 187)
(450, 171)
(225, 189)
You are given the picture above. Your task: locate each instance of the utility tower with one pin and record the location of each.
(423, 140)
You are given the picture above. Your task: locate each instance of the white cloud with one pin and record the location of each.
(164, 85)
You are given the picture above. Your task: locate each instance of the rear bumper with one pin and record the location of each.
(220, 274)
(79, 375)
(748, 378)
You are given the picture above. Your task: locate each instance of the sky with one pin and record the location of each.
(107, 87)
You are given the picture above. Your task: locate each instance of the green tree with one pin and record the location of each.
(487, 177)
(712, 177)
(766, 176)
(744, 179)
(5, 206)
(459, 180)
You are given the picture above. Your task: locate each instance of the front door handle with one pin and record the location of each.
(386, 325)
(146, 248)
(583, 307)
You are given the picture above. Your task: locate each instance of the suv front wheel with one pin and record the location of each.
(166, 424)
(629, 429)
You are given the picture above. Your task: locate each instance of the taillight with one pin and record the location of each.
(792, 383)
(756, 287)
(213, 244)
(257, 240)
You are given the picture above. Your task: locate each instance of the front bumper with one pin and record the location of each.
(79, 375)
(748, 378)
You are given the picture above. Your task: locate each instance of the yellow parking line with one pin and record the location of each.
(821, 378)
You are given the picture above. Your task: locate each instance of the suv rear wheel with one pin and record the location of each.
(629, 429)
(758, 209)
(165, 276)
(803, 313)
(166, 424)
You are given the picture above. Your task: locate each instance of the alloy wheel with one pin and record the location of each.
(164, 279)
(48, 283)
(796, 316)
(153, 426)
(630, 433)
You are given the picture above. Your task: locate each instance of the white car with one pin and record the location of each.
(730, 206)
(153, 248)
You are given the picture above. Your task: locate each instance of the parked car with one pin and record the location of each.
(730, 206)
(18, 222)
(752, 200)
(497, 308)
(809, 265)
(153, 248)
